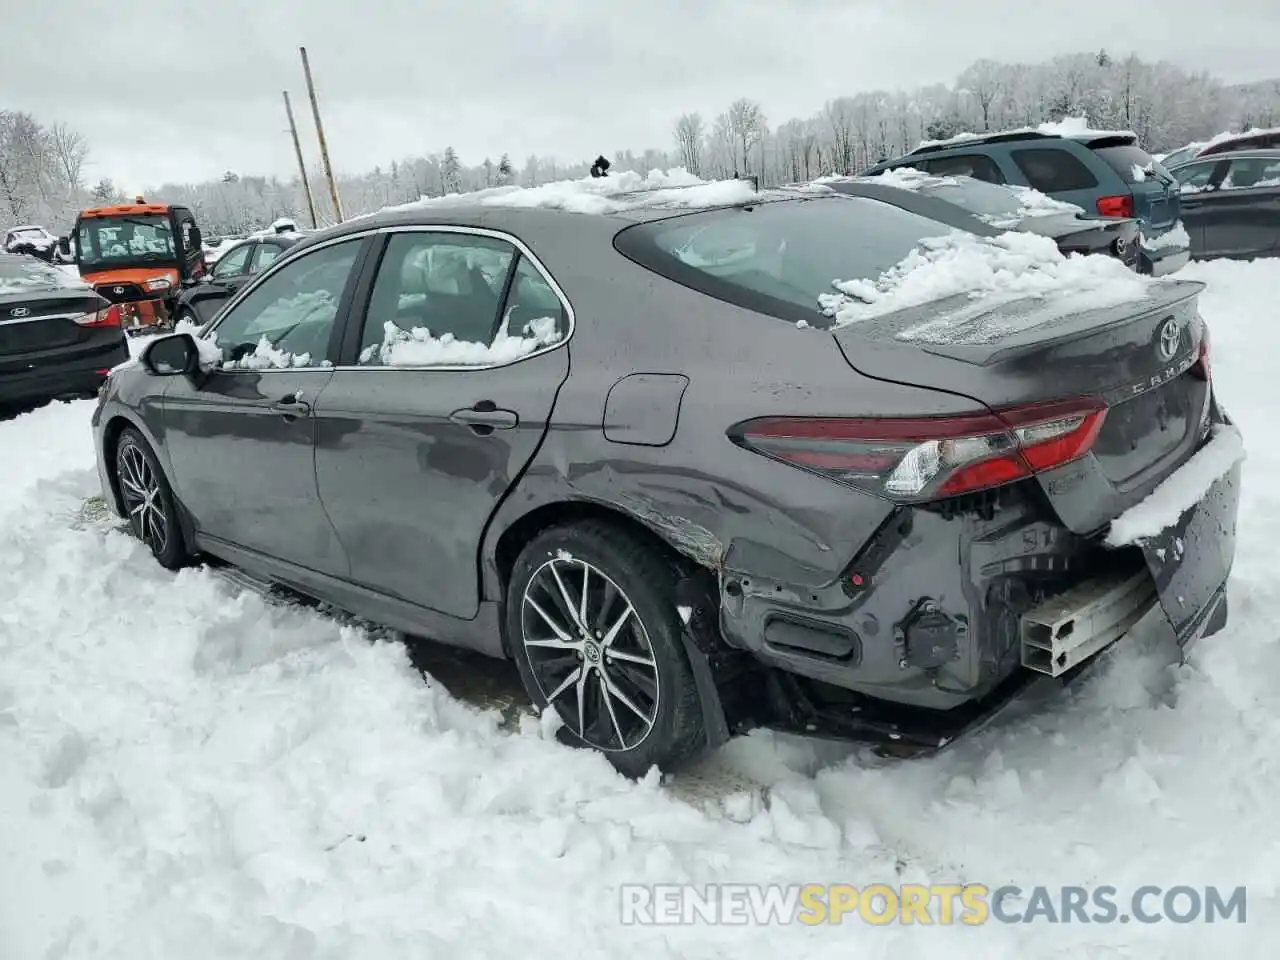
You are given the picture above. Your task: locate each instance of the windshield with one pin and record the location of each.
(120, 241)
(778, 257)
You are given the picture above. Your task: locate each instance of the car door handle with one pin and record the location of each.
(292, 406)
(485, 417)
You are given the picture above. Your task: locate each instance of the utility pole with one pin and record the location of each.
(324, 149)
(302, 167)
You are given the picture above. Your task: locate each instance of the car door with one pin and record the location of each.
(1197, 185)
(442, 398)
(227, 278)
(1244, 219)
(241, 439)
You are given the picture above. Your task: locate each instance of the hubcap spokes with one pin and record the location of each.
(590, 654)
(141, 491)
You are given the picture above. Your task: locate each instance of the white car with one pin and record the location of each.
(32, 239)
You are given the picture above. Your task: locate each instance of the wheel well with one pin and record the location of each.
(523, 531)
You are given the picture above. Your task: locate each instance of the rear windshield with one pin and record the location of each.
(1131, 162)
(25, 273)
(976, 196)
(778, 257)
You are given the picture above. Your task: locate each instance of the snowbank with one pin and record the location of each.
(989, 271)
(189, 772)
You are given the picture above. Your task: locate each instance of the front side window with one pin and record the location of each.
(233, 263)
(778, 258)
(1053, 171)
(1194, 177)
(133, 240)
(286, 321)
(438, 301)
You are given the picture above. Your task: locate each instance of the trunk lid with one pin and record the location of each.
(44, 320)
(1138, 358)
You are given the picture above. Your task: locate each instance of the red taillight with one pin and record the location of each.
(1202, 367)
(1121, 206)
(920, 459)
(110, 317)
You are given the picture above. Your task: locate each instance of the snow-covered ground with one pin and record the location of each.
(189, 772)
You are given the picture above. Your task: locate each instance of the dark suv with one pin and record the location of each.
(1106, 174)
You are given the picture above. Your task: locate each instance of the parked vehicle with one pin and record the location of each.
(987, 209)
(137, 255)
(599, 445)
(202, 297)
(1102, 172)
(1255, 139)
(58, 337)
(33, 240)
(1231, 204)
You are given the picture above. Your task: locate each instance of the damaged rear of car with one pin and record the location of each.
(1084, 481)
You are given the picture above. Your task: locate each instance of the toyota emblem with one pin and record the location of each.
(19, 312)
(117, 289)
(1170, 337)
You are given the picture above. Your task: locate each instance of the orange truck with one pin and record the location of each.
(138, 255)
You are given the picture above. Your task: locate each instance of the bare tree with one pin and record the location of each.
(747, 126)
(839, 115)
(984, 80)
(690, 132)
(71, 150)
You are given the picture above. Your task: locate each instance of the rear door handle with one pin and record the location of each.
(485, 417)
(292, 406)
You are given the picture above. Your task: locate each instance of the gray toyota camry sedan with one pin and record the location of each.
(631, 442)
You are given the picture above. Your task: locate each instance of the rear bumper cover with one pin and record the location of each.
(52, 378)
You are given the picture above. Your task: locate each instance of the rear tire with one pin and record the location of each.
(618, 677)
(148, 500)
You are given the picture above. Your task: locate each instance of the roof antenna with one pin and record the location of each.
(601, 167)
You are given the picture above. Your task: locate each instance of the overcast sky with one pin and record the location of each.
(172, 90)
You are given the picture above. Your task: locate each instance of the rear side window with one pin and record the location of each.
(971, 165)
(1130, 161)
(777, 258)
(1053, 171)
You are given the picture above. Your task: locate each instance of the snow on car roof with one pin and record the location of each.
(1075, 128)
(616, 193)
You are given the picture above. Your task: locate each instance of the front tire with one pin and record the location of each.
(594, 628)
(148, 500)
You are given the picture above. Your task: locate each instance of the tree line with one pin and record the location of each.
(1167, 106)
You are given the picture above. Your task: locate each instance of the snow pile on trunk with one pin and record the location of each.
(1163, 507)
(419, 348)
(605, 195)
(989, 271)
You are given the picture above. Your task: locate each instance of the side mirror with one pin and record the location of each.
(197, 239)
(172, 356)
(64, 246)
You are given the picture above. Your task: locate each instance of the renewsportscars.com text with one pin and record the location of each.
(938, 904)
